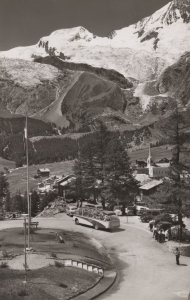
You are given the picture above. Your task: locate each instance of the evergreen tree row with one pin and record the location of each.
(103, 171)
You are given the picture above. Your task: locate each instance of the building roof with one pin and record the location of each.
(142, 178)
(67, 181)
(64, 179)
(44, 170)
(163, 165)
(150, 185)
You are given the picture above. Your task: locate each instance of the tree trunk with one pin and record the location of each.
(123, 209)
(180, 220)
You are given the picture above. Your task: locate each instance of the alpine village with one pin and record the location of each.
(95, 163)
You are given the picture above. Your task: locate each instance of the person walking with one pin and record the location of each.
(151, 225)
(154, 232)
(177, 255)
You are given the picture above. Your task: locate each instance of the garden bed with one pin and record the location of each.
(47, 276)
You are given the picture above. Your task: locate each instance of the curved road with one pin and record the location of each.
(146, 270)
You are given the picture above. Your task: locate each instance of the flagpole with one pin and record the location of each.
(25, 255)
(27, 179)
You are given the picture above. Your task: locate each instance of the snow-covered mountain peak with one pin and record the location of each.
(157, 40)
(68, 35)
(166, 32)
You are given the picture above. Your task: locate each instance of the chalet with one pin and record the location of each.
(44, 172)
(149, 188)
(159, 171)
(63, 183)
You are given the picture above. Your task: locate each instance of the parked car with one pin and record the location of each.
(146, 218)
(118, 210)
(150, 214)
(164, 225)
(140, 209)
(130, 211)
(71, 210)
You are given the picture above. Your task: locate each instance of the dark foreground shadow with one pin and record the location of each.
(116, 230)
(183, 265)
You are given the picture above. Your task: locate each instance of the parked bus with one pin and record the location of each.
(98, 219)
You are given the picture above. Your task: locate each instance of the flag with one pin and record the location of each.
(26, 128)
(25, 133)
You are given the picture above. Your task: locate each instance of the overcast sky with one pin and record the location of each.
(23, 22)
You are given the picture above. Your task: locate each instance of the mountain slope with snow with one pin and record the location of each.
(166, 32)
(141, 50)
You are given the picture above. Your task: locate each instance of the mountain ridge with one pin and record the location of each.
(130, 50)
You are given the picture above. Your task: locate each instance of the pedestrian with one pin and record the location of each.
(163, 236)
(151, 225)
(177, 255)
(159, 235)
(153, 231)
(169, 234)
(156, 233)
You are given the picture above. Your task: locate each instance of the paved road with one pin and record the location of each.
(147, 271)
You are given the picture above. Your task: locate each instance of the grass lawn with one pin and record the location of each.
(157, 153)
(4, 163)
(53, 281)
(45, 284)
(17, 178)
(44, 241)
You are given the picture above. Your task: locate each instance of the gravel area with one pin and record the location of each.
(34, 261)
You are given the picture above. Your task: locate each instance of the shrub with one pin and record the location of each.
(58, 264)
(4, 265)
(5, 254)
(53, 255)
(64, 286)
(22, 293)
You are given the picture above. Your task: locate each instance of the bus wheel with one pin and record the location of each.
(76, 221)
(96, 226)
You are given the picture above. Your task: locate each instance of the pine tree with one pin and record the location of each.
(175, 190)
(35, 203)
(4, 189)
(4, 185)
(89, 174)
(103, 170)
(120, 183)
(19, 203)
(103, 137)
(8, 201)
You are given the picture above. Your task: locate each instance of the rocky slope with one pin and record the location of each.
(175, 81)
(28, 85)
(107, 74)
(62, 93)
(172, 84)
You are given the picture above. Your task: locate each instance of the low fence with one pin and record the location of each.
(84, 266)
